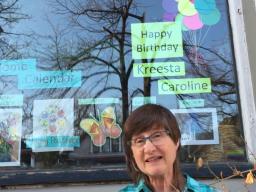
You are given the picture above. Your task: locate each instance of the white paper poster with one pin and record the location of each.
(198, 126)
(53, 128)
(10, 136)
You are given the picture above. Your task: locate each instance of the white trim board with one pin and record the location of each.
(244, 77)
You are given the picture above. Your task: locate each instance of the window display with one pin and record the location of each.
(72, 71)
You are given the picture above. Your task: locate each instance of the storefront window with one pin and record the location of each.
(72, 71)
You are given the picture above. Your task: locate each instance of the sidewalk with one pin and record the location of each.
(70, 188)
(234, 185)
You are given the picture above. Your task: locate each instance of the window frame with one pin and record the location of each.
(116, 174)
(244, 76)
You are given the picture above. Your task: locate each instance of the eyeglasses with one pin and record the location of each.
(156, 138)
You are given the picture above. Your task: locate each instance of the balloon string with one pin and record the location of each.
(196, 61)
(199, 37)
(190, 38)
(208, 29)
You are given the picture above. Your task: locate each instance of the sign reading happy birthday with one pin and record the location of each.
(156, 40)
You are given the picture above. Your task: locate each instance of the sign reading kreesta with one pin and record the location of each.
(156, 40)
(158, 69)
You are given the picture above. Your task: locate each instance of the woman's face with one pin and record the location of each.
(157, 158)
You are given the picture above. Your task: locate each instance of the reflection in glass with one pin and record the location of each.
(94, 38)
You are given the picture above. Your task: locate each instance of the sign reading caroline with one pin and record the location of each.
(156, 40)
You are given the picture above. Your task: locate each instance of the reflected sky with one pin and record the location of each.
(40, 14)
(44, 22)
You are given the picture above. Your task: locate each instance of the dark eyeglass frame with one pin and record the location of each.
(149, 137)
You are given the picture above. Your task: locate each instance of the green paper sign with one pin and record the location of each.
(11, 100)
(156, 40)
(138, 101)
(159, 69)
(191, 103)
(63, 141)
(92, 101)
(53, 141)
(184, 86)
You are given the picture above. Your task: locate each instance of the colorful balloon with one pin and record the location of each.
(211, 18)
(193, 22)
(170, 6)
(205, 6)
(186, 8)
(179, 19)
(169, 16)
(191, 14)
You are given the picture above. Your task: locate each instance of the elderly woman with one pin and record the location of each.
(152, 143)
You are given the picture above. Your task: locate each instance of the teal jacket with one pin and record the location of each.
(191, 186)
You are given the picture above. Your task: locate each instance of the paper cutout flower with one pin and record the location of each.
(105, 127)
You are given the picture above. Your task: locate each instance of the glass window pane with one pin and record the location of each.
(72, 71)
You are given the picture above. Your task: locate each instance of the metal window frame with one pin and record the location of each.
(107, 175)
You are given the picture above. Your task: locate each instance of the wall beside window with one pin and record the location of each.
(241, 16)
(249, 12)
(72, 71)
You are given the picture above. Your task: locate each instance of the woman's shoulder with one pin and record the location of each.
(191, 186)
(140, 187)
(197, 186)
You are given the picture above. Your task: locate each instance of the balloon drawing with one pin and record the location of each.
(194, 13)
(196, 18)
(105, 127)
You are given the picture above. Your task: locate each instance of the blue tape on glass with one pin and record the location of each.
(49, 79)
(53, 141)
(11, 100)
(15, 67)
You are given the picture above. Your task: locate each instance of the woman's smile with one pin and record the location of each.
(153, 159)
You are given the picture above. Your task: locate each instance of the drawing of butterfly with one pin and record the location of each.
(105, 127)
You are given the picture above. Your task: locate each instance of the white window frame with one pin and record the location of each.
(244, 74)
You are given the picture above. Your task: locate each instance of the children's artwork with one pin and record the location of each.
(106, 126)
(198, 126)
(10, 136)
(53, 121)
